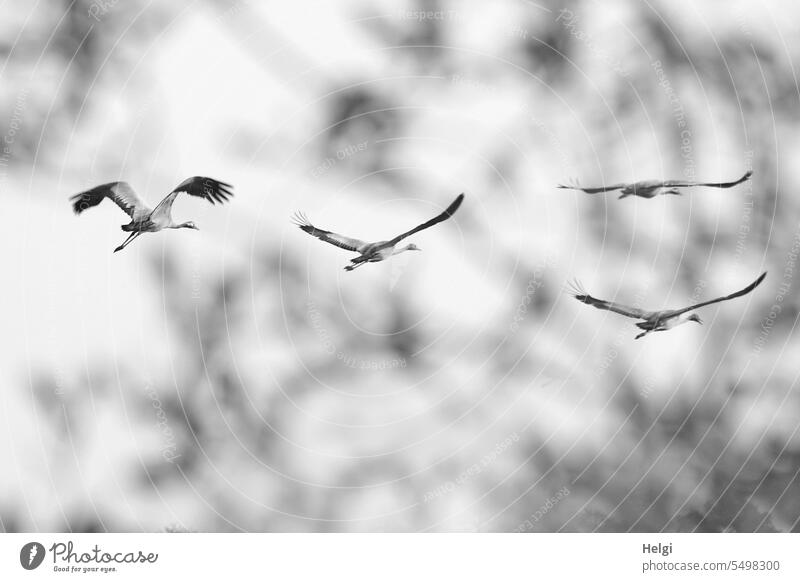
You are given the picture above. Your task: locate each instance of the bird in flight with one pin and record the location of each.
(656, 320)
(144, 218)
(652, 188)
(376, 251)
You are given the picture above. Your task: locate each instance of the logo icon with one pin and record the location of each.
(31, 555)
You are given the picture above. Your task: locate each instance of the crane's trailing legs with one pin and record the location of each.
(128, 240)
(355, 263)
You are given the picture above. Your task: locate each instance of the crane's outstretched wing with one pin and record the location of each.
(596, 190)
(120, 192)
(212, 190)
(343, 242)
(576, 290)
(207, 188)
(687, 184)
(449, 211)
(739, 293)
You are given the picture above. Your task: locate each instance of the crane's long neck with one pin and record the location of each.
(677, 320)
(399, 250)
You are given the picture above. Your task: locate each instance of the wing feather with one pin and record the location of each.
(576, 290)
(688, 184)
(207, 188)
(596, 190)
(120, 192)
(739, 293)
(343, 242)
(448, 212)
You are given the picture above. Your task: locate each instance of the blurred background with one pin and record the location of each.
(237, 379)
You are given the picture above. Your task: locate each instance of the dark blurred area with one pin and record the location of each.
(237, 379)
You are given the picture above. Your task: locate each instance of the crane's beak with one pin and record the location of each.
(700, 321)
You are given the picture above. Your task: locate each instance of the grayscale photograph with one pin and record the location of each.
(385, 266)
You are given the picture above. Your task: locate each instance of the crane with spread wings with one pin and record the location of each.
(656, 320)
(144, 218)
(376, 251)
(652, 188)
